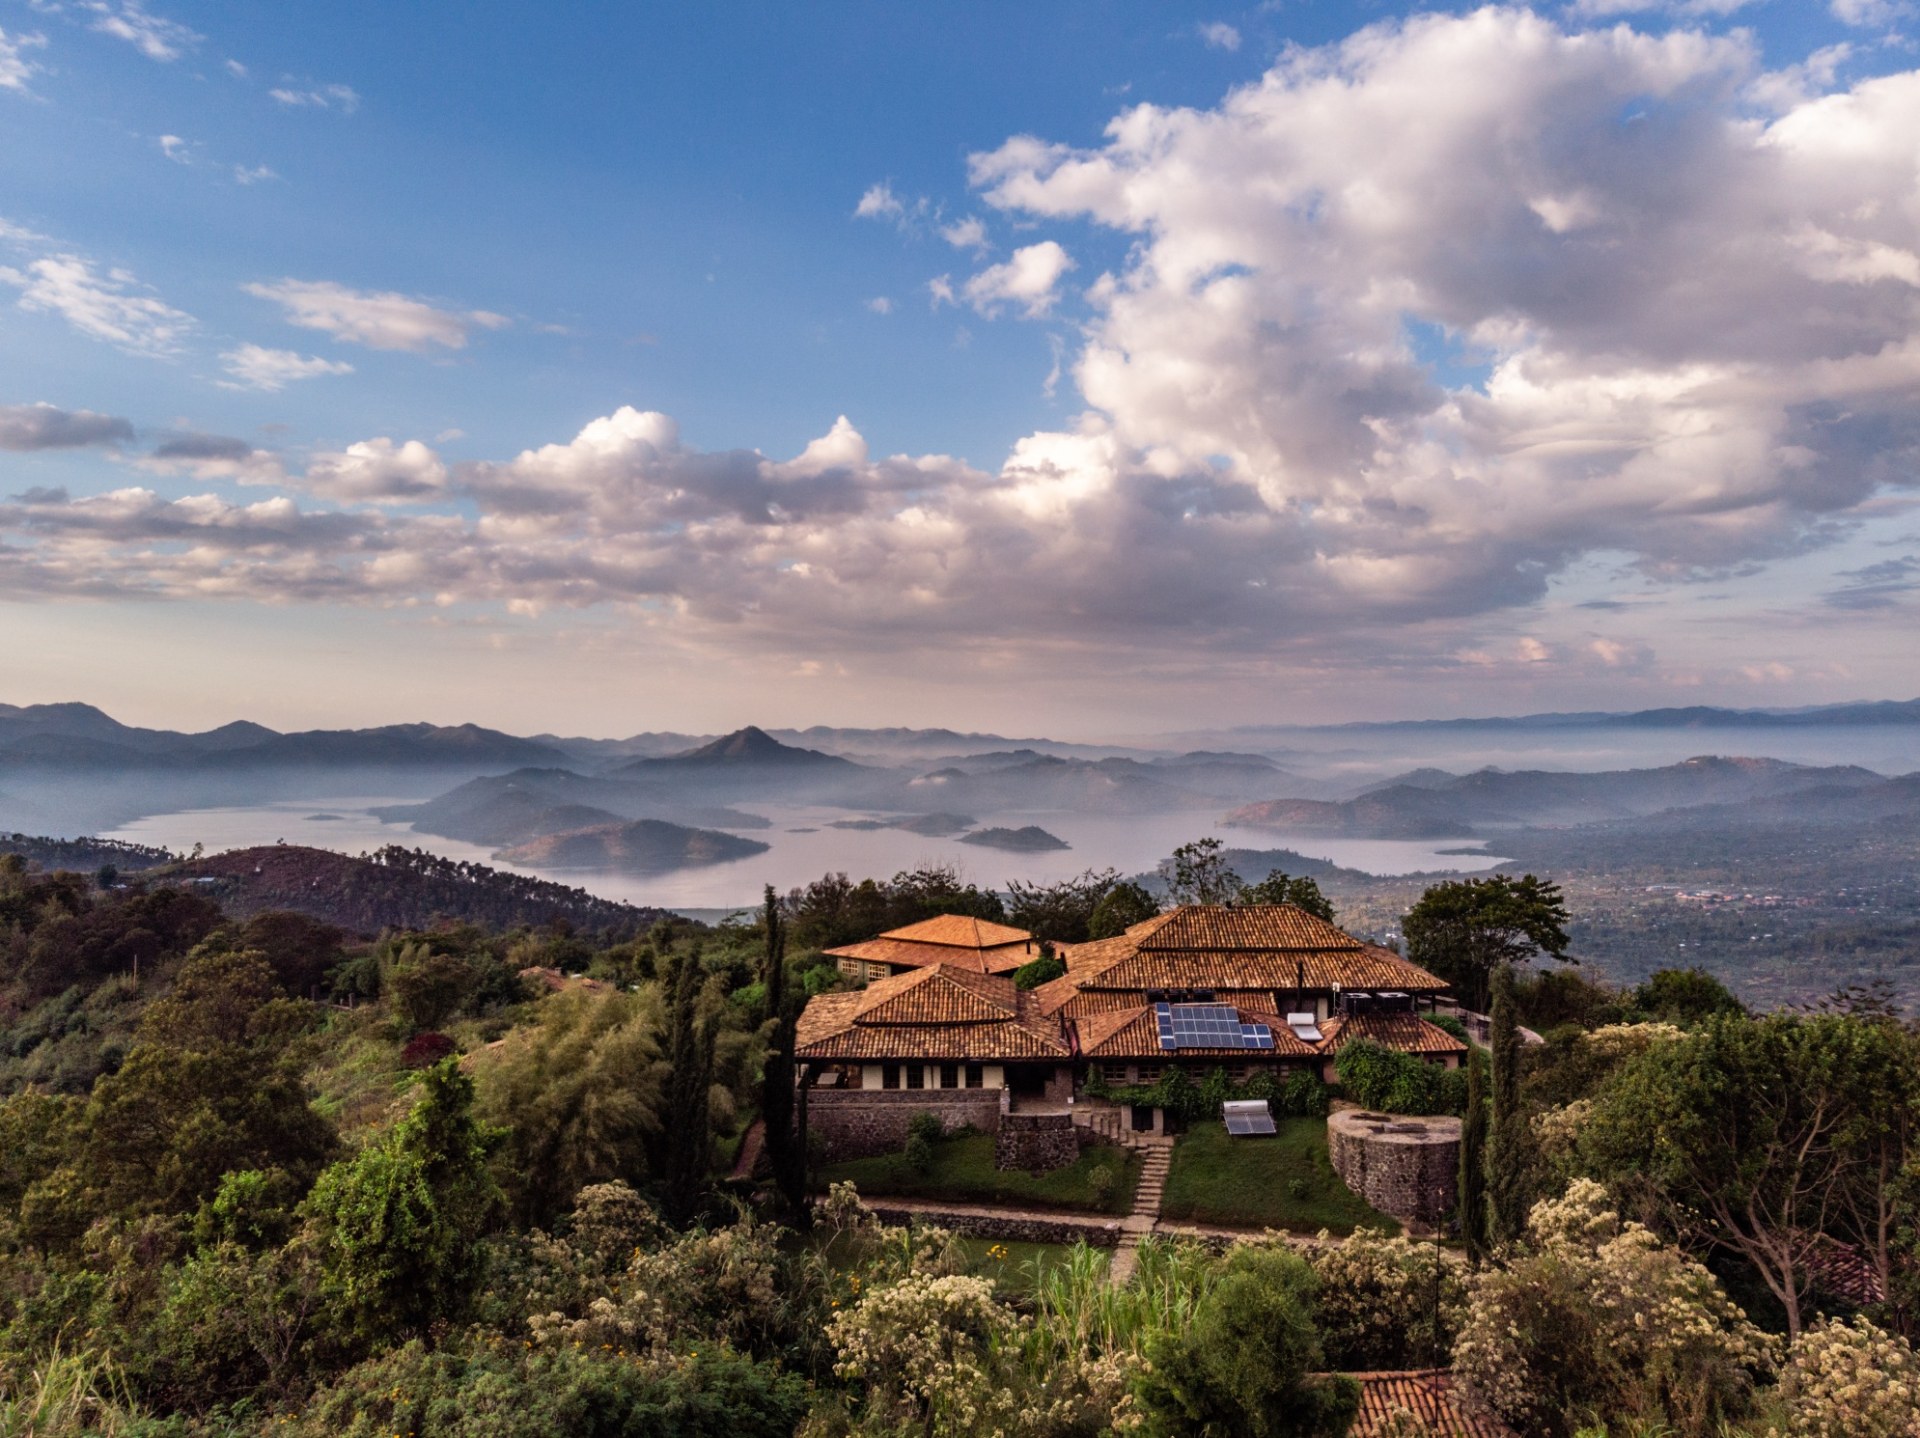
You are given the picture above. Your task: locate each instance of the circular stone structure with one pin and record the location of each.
(1404, 1166)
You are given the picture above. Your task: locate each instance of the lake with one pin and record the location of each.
(803, 847)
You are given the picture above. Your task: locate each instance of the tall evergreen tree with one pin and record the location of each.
(1472, 1207)
(784, 1145)
(1508, 1146)
(690, 1054)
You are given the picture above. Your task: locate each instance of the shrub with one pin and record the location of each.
(425, 1050)
(1042, 970)
(1388, 1081)
(1597, 1319)
(924, 1125)
(1851, 1381)
(1100, 1183)
(1387, 1302)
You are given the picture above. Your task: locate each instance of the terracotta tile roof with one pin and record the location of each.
(1409, 1033)
(945, 1013)
(905, 954)
(1354, 968)
(1162, 954)
(1133, 1034)
(959, 931)
(1429, 1398)
(1257, 926)
(939, 995)
(1064, 998)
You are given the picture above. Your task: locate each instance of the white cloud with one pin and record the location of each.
(15, 68)
(378, 471)
(1873, 14)
(879, 203)
(880, 305)
(106, 306)
(1027, 280)
(253, 174)
(175, 149)
(940, 291)
(343, 98)
(1219, 35)
(237, 70)
(967, 234)
(43, 426)
(255, 367)
(380, 320)
(152, 35)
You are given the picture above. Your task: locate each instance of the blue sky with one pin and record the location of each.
(363, 262)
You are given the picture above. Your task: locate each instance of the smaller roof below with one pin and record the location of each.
(1409, 1033)
(959, 931)
(1425, 1398)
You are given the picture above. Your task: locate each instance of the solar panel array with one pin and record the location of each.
(1208, 1026)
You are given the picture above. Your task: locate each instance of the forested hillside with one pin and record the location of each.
(260, 1175)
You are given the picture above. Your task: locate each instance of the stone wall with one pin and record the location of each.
(1037, 1142)
(858, 1123)
(1408, 1167)
(1098, 1232)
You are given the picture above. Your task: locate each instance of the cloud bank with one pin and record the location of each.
(1403, 330)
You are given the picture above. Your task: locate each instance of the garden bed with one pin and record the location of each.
(961, 1168)
(1286, 1182)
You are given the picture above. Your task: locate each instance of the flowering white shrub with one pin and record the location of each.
(1598, 1315)
(1850, 1380)
(1386, 1302)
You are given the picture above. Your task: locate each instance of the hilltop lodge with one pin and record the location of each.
(941, 1026)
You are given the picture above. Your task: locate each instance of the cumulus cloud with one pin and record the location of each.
(256, 367)
(343, 98)
(380, 320)
(379, 471)
(152, 35)
(1219, 35)
(214, 456)
(253, 174)
(43, 426)
(175, 149)
(108, 306)
(1027, 280)
(15, 68)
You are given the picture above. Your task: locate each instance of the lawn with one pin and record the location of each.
(962, 1169)
(1285, 1181)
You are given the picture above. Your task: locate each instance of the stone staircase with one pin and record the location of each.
(1156, 1160)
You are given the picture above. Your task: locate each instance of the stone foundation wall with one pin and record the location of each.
(1098, 1232)
(858, 1123)
(1037, 1142)
(1408, 1167)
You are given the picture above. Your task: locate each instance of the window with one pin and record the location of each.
(1115, 1073)
(890, 1076)
(949, 1075)
(916, 1076)
(976, 1076)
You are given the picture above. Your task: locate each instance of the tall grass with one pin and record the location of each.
(1077, 1307)
(68, 1395)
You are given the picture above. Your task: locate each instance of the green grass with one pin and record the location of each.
(962, 1169)
(1016, 1267)
(1284, 1182)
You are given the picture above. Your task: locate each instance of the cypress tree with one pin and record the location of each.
(1509, 1140)
(690, 1052)
(1473, 1159)
(784, 1151)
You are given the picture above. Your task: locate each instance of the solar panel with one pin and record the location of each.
(1247, 1118)
(1208, 1026)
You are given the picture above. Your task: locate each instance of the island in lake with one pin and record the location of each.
(1029, 840)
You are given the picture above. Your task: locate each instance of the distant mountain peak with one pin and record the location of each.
(751, 745)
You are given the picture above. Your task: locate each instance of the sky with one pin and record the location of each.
(1089, 368)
